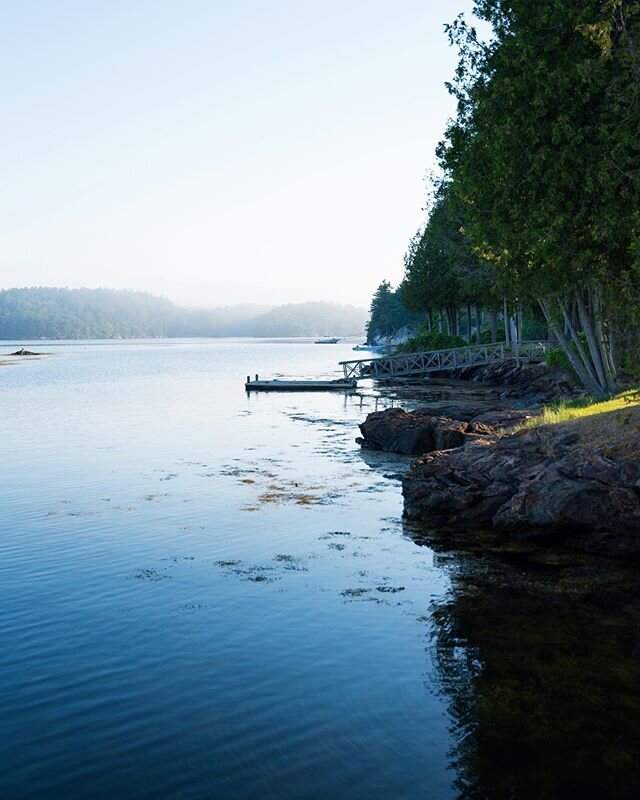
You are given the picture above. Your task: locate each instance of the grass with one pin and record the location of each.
(567, 410)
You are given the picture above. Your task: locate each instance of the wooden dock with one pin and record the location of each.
(409, 365)
(292, 385)
(421, 364)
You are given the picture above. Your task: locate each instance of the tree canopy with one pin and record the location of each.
(538, 206)
(388, 313)
(544, 155)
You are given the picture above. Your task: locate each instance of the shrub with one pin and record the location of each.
(485, 337)
(425, 341)
(558, 360)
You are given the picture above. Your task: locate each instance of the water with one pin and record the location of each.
(212, 595)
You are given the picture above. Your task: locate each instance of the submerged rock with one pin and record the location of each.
(23, 352)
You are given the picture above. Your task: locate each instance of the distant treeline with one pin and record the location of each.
(43, 312)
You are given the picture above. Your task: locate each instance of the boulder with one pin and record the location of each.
(424, 430)
(410, 433)
(535, 483)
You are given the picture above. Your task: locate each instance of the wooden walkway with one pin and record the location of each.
(417, 364)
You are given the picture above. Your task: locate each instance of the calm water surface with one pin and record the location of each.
(212, 595)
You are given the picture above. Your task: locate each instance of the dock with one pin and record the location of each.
(410, 365)
(419, 365)
(292, 385)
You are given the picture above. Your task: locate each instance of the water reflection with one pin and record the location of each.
(538, 653)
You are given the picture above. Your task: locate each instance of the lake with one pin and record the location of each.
(209, 594)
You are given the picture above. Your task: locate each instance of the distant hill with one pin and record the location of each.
(309, 319)
(51, 313)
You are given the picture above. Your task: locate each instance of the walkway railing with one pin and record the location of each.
(407, 364)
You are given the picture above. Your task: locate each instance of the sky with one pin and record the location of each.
(217, 152)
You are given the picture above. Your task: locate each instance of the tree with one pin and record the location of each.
(388, 313)
(543, 154)
(442, 271)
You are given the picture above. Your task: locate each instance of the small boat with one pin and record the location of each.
(278, 385)
(372, 347)
(327, 341)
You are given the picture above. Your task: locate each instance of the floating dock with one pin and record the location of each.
(289, 385)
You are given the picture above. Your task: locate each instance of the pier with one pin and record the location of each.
(293, 385)
(420, 364)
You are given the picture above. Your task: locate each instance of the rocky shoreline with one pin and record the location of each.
(577, 482)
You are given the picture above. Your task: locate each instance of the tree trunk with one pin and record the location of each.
(468, 323)
(452, 314)
(507, 332)
(494, 325)
(605, 352)
(586, 378)
(595, 348)
(613, 353)
(586, 362)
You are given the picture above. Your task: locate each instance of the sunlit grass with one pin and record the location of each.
(566, 410)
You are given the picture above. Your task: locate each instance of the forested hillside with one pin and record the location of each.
(535, 220)
(309, 319)
(82, 314)
(34, 313)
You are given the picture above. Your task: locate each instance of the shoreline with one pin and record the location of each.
(575, 482)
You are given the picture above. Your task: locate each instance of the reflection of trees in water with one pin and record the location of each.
(541, 665)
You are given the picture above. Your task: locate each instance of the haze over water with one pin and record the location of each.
(207, 594)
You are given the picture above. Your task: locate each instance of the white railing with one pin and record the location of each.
(407, 364)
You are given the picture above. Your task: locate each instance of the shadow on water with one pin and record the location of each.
(538, 653)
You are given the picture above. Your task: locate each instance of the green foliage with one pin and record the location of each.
(631, 363)
(388, 313)
(533, 327)
(433, 340)
(526, 142)
(485, 337)
(557, 359)
(544, 157)
(441, 268)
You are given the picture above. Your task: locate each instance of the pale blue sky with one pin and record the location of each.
(218, 152)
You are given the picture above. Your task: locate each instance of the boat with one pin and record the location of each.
(327, 341)
(372, 347)
(292, 385)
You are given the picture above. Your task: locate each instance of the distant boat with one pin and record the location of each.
(326, 341)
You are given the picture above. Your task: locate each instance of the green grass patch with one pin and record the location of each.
(576, 408)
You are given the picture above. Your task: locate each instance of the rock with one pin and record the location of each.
(501, 419)
(534, 383)
(410, 433)
(23, 352)
(423, 430)
(535, 483)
